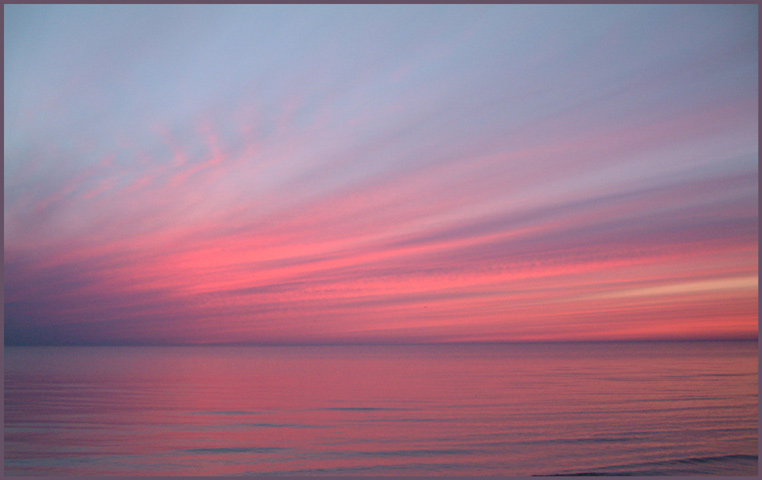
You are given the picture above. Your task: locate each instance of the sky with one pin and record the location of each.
(250, 174)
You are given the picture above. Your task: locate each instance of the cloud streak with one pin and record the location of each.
(307, 177)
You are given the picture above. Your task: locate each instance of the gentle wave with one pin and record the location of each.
(413, 453)
(730, 464)
(362, 409)
(224, 450)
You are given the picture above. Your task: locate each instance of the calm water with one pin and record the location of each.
(634, 408)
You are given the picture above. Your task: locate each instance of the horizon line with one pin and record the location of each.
(370, 344)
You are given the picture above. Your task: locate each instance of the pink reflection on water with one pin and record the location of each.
(417, 410)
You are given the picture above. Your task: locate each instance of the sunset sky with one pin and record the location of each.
(363, 173)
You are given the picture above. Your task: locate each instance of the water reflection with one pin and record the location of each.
(408, 410)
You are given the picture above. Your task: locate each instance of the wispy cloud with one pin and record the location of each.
(207, 174)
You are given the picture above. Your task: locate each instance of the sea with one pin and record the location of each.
(619, 408)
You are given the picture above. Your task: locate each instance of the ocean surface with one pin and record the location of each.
(671, 408)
